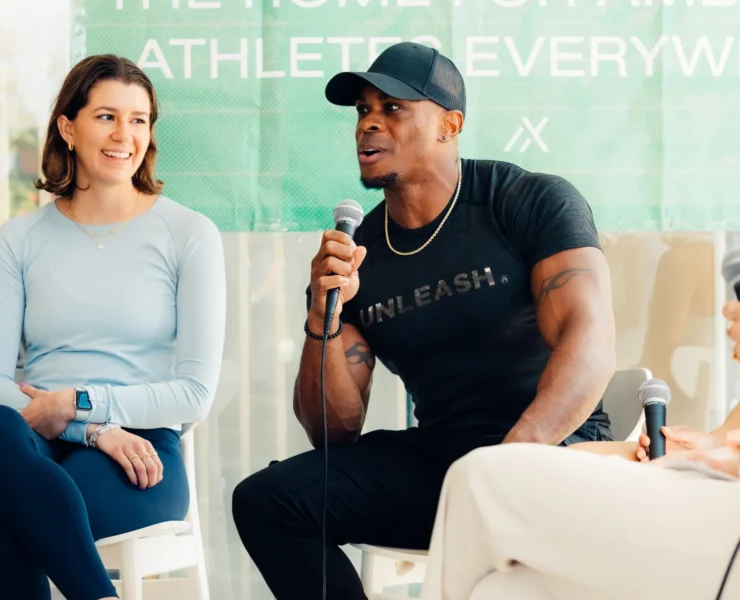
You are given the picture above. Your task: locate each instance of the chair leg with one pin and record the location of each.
(378, 572)
(131, 578)
(375, 573)
(367, 574)
(201, 575)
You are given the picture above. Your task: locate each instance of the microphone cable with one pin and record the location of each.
(727, 571)
(326, 460)
(328, 320)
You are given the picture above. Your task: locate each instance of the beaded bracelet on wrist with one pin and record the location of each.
(313, 336)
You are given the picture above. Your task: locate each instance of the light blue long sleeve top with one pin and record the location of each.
(139, 324)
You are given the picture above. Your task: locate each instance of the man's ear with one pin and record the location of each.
(452, 124)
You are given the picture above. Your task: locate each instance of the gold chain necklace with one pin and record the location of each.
(92, 235)
(429, 241)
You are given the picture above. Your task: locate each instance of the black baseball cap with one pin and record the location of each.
(407, 71)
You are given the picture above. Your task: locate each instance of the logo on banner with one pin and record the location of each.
(531, 135)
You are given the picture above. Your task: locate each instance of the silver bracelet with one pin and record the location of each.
(98, 431)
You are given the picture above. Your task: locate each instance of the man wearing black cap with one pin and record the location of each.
(483, 288)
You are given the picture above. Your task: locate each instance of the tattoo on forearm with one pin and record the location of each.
(359, 354)
(557, 281)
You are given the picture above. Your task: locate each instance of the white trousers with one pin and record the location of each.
(532, 522)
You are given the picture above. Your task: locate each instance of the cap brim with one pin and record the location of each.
(344, 89)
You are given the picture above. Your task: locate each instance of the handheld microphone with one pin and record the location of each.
(654, 395)
(347, 215)
(731, 270)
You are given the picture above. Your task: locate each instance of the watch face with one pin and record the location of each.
(83, 400)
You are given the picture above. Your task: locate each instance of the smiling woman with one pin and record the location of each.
(116, 296)
(101, 135)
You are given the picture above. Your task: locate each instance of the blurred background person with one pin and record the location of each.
(515, 523)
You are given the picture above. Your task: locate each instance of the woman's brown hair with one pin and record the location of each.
(58, 162)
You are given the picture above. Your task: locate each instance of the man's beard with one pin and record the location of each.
(380, 182)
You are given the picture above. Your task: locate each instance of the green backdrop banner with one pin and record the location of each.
(637, 102)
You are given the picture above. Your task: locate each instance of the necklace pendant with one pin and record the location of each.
(100, 246)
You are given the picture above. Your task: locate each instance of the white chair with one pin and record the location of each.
(383, 567)
(162, 548)
(621, 404)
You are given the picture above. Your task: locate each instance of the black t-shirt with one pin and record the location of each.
(457, 320)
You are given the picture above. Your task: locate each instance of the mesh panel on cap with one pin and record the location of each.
(445, 85)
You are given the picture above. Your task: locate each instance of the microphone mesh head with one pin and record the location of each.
(731, 266)
(654, 390)
(350, 211)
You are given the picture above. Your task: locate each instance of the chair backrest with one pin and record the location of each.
(621, 404)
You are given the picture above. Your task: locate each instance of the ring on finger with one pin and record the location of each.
(131, 458)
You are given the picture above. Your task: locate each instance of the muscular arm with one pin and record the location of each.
(573, 296)
(348, 375)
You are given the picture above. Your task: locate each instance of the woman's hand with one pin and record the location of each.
(678, 438)
(732, 439)
(135, 454)
(48, 413)
(723, 458)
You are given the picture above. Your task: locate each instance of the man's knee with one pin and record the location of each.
(256, 503)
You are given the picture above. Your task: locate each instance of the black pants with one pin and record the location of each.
(57, 498)
(383, 490)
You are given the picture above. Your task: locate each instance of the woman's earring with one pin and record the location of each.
(71, 146)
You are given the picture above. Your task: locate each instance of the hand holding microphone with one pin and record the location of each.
(678, 438)
(654, 396)
(334, 275)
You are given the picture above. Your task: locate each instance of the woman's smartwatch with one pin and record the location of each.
(83, 405)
